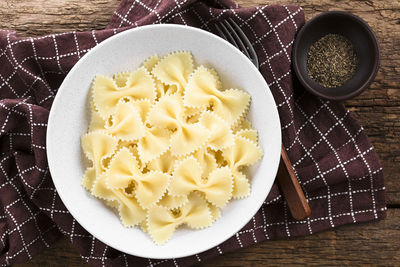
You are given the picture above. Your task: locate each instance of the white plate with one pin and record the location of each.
(69, 116)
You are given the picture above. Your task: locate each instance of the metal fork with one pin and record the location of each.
(288, 182)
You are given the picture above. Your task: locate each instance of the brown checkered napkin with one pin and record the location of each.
(336, 164)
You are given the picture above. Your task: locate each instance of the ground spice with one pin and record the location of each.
(332, 60)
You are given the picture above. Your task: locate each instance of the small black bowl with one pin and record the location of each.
(364, 42)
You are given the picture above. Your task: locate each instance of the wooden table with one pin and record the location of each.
(378, 109)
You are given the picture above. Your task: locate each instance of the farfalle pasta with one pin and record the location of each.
(203, 90)
(168, 145)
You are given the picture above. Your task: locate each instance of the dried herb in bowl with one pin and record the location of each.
(332, 60)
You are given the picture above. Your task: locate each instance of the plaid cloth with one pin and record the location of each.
(336, 164)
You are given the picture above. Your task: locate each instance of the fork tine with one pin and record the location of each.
(228, 35)
(221, 33)
(246, 41)
(241, 46)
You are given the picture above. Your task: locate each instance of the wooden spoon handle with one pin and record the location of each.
(291, 189)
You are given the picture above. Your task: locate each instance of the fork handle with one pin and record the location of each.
(291, 188)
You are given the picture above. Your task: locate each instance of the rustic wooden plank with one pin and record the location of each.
(356, 245)
(62, 253)
(40, 17)
(378, 109)
(374, 243)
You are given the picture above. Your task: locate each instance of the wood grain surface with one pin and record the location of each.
(377, 109)
(374, 243)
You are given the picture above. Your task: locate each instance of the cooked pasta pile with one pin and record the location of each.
(167, 145)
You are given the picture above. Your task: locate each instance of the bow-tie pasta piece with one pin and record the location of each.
(101, 189)
(151, 187)
(143, 107)
(250, 134)
(206, 160)
(97, 146)
(151, 62)
(162, 222)
(196, 213)
(155, 143)
(112, 203)
(219, 158)
(217, 187)
(188, 138)
(243, 153)
(168, 113)
(203, 90)
(130, 212)
(172, 202)
(221, 135)
(193, 114)
(107, 94)
(242, 125)
(215, 212)
(133, 149)
(121, 78)
(124, 171)
(89, 178)
(193, 118)
(126, 123)
(164, 163)
(174, 69)
(96, 121)
(161, 89)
